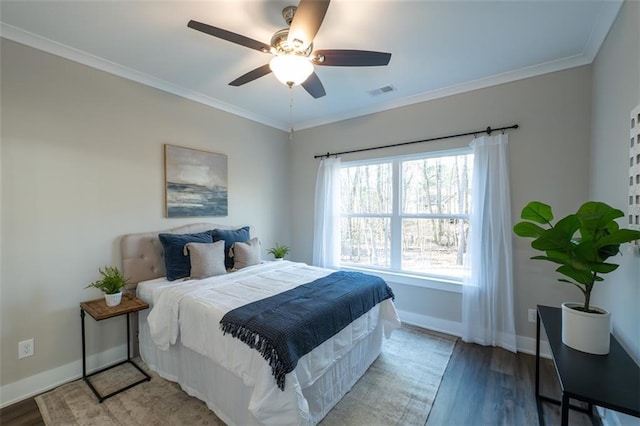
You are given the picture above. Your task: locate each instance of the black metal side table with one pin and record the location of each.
(610, 381)
(99, 311)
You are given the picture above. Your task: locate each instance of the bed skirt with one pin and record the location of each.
(226, 395)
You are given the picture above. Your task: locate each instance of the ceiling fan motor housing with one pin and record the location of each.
(280, 44)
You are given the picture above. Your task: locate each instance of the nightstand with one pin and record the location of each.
(99, 311)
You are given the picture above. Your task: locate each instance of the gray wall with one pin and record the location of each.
(549, 161)
(616, 90)
(82, 164)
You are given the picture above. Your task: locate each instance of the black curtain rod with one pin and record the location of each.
(488, 131)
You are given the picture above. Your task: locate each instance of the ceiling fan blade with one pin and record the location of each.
(251, 75)
(229, 36)
(350, 58)
(306, 22)
(314, 86)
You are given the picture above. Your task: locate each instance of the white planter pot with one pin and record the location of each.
(584, 331)
(113, 299)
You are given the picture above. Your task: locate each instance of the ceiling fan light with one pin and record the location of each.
(291, 69)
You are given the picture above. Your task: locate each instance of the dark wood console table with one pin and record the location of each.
(610, 381)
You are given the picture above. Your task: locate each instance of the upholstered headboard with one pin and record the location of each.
(142, 254)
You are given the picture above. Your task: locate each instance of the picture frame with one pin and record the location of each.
(195, 182)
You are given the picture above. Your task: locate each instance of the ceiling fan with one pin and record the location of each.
(292, 48)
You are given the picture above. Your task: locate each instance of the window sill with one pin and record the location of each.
(412, 280)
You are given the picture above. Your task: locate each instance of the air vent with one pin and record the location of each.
(382, 90)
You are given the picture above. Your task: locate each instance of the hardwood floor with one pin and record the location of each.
(482, 386)
(23, 413)
(491, 386)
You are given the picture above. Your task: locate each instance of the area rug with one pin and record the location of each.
(398, 389)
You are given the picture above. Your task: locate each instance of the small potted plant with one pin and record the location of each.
(279, 251)
(580, 243)
(111, 284)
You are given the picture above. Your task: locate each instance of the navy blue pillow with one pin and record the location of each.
(230, 236)
(175, 262)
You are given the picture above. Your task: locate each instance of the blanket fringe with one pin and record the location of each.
(256, 341)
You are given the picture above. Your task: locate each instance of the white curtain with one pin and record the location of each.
(326, 230)
(487, 296)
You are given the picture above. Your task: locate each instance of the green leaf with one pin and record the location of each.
(568, 226)
(553, 239)
(595, 215)
(579, 264)
(550, 259)
(583, 290)
(603, 268)
(537, 212)
(607, 251)
(586, 250)
(559, 255)
(618, 237)
(583, 277)
(528, 230)
(554, 256)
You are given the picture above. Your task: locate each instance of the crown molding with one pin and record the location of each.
(41, 43)
(494, 80)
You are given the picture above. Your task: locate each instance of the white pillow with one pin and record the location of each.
(207, 259)
(245, 254)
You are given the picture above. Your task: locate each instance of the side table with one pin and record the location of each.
(610, 381)
(99, 311)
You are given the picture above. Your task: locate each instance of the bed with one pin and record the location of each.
(180, 338)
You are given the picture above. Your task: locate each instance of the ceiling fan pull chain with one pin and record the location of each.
(291, 112)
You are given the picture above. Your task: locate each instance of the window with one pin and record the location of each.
(407, 215)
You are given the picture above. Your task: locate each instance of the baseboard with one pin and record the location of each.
(524, 344)
(527, 345)
(50, 379)
(431, 323)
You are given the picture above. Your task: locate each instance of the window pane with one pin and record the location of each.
(434, 246)
(440, 185)
(366, 189)
(365, 241)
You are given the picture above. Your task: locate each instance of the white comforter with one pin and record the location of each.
(192, 310)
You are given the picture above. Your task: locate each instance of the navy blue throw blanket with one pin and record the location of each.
(286, 326)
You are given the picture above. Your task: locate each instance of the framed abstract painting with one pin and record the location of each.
(195, 182)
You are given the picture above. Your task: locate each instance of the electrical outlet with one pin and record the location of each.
(532, 314)
(25, 348)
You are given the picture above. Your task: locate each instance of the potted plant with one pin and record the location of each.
(580, 243)
(111, 284)
(279, 251)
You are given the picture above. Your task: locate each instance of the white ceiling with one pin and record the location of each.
(438, 48)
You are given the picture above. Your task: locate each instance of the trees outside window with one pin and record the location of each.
(408, 214)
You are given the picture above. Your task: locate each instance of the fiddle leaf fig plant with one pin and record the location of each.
(112, 280)
(580, 243)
